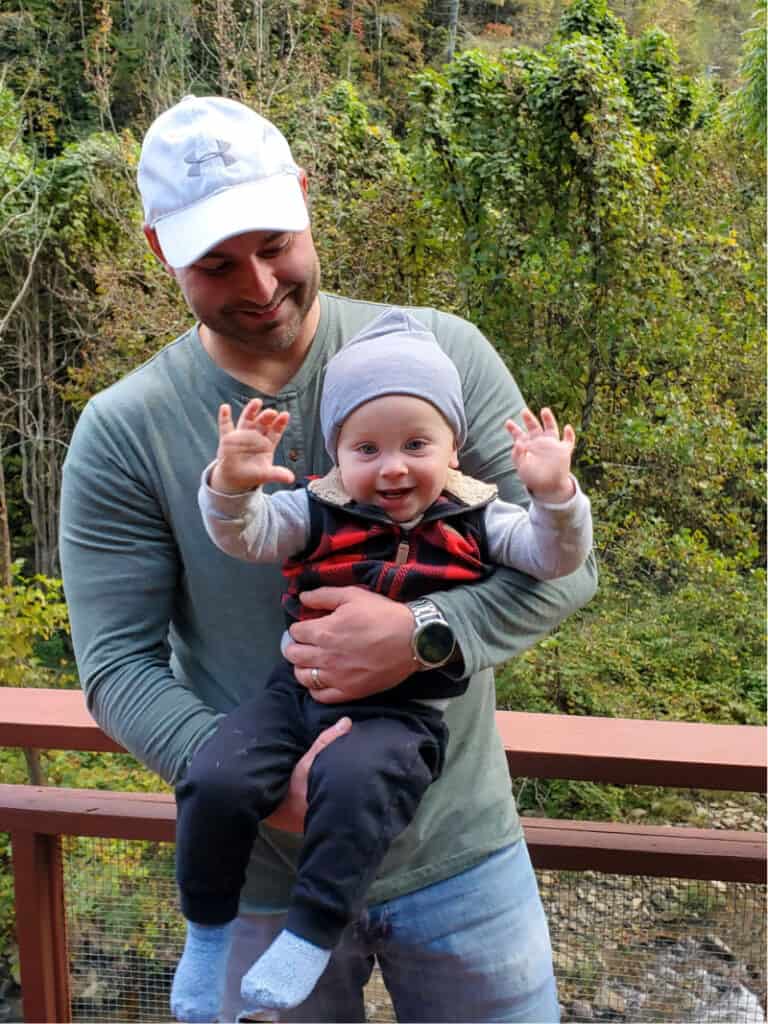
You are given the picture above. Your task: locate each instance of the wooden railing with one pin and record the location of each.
(612, 750)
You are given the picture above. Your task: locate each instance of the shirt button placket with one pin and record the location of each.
(293, 439)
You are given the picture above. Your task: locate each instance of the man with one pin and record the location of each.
(170, 634)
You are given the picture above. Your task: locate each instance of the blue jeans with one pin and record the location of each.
(473, 948)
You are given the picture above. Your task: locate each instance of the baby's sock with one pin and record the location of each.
(285, 974)
(198, 984)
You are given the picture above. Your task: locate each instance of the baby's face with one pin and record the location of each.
(394, 452)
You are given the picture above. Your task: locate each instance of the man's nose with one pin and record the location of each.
(261, 282)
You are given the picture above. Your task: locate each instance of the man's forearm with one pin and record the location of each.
(155, 718)
(509, 612)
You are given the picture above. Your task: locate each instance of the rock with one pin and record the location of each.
(581, 1010)
(608, 999)
(565, 965)
(737, 1005)
(712, 944)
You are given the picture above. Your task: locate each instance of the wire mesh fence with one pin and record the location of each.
(626, 948)
(640, 949)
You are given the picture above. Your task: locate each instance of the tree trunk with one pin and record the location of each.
(5, 532)
(453, 21)
(34, 767)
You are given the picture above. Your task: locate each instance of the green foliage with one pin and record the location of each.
(593, 18)
(31, 610)
(372, 233)
(747, 108)
(124, 903)
(676, 632)
(558, 798)
(665, 101)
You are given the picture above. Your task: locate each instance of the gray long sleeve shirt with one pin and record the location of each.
(170, 633)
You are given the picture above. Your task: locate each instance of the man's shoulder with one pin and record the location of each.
(152, 378)
(352, 314)
(146, 401)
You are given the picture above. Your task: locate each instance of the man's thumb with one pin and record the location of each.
(327, 736)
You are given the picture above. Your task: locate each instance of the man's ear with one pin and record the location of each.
(304, 183)
(152, 241)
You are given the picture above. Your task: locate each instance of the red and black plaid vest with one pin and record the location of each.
(358, 545)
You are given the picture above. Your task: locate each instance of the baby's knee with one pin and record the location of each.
(214, 789)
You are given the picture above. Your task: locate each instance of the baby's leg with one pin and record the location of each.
(233, 782)
(364, 789)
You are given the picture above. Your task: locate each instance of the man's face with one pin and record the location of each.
(255, 290)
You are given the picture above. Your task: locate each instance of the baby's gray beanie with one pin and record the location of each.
(392, 355)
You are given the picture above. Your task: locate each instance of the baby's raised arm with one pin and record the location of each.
(244, 460)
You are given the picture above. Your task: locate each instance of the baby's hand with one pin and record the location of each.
(542, 458)
(244, 460)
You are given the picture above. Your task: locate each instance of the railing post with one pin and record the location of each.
(41, 926)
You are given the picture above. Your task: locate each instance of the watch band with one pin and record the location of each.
(425, 611)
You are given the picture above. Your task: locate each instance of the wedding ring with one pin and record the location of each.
(314, 675)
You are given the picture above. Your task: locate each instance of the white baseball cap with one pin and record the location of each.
(211, 168)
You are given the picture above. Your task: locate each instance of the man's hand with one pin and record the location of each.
(362, 646)
(244, 460)
(289, 816)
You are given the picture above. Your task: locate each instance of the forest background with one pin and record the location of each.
(584, 182)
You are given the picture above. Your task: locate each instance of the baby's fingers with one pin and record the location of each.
(531, 422)
(549, 423)
(273, 423)
(281, 475)
(514, 430)
(226, 426)
(250, 414)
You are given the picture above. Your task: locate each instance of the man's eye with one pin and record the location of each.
(214, 268)
(275, 249)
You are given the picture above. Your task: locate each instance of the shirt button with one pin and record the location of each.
(293, 455)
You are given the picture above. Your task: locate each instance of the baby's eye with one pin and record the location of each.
(415, 444)
(367, 449)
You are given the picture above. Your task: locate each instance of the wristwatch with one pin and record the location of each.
(433, 641)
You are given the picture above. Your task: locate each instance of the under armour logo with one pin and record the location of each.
(220, 153)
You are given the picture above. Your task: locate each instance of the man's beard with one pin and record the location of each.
(280, 336)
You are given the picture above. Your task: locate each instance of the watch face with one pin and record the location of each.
(435, 643)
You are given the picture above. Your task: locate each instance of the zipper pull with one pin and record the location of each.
(401, 555)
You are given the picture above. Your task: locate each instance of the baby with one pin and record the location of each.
(394, 515)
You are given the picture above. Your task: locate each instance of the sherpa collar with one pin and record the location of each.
(470, 493)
